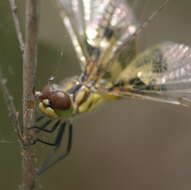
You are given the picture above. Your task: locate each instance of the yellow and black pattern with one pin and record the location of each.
(162, 72)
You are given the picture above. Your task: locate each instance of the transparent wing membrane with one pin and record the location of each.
(72, 16)
(98, 28)
(161, 73)
(112, 24)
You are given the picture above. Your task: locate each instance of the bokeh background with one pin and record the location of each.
(128, 144)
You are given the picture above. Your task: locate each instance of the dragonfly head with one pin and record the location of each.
(54, 103)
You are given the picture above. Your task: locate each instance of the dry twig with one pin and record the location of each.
(12, 112)
(29, 54)
(17, 24)
(29, 70)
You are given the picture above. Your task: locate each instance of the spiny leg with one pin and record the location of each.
(48, 163)
(54, 127)
(58, 138)
(39, 118)
(42, 126)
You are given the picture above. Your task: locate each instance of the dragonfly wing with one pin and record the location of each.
(71, 12)
(161, 73)
(110, 26)
(97, 29)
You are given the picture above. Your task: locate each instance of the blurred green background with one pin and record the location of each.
(128, 144)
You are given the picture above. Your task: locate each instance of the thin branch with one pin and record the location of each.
(29, 54)
(29, 70)
(13, 114)
(17, 24)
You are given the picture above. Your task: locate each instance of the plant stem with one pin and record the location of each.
(29, 70)
(17, 24)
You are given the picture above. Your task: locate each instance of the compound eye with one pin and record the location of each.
(45, 93)
(60, 100)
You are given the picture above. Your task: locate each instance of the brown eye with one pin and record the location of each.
(60, 100)
(45, 93)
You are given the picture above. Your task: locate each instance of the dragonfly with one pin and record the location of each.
(104, 36)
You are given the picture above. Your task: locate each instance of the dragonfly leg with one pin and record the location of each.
(49, 163)
(58, 138)
(43, 142)
(40, 118)
(43, 127)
